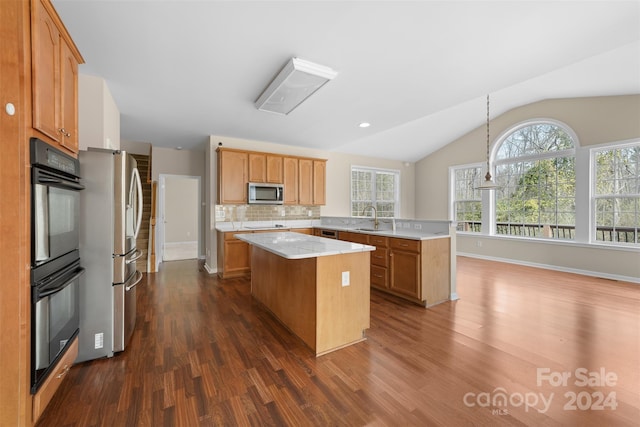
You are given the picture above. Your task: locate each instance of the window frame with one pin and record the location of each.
(593, 196)
(452, 193)
(491, 200)
(375, 170)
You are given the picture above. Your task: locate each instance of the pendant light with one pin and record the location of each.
(488, 183)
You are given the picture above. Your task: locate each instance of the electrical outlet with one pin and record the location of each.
(98, 340)
(345, 278)
(478, 243)
(406, 225)
(417, 226)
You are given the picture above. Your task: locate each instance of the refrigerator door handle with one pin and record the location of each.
(137, 254)
(138, 181)
(134, 284)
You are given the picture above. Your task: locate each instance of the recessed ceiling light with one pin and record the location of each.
(178, 148)
(364, 125)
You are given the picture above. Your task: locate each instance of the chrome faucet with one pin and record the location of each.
(375, 215)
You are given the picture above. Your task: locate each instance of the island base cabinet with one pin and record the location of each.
(308, 297)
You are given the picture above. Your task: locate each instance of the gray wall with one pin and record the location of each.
(167, 161)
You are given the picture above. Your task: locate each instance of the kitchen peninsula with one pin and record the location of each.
(317, 287)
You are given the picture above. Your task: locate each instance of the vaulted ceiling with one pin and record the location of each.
(418, 71)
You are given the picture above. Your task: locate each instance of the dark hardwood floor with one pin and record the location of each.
(205, 354)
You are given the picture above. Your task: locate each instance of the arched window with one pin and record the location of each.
(535, 168)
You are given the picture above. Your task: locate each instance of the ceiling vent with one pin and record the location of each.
(297, 81)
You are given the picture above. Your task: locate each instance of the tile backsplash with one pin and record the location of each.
(265, 212)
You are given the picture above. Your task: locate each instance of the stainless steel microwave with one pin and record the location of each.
(266, 194)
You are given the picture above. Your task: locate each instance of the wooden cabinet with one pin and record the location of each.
(290, 179)
(379, 262)
(265, 167)
(274, 169)
(257, 167)
(55, 62)
(418, 270)
(308, 231)
(234, 256)
(232, 176)
(304, 179)
(319, 182)
(404, 267)
(50, 386)
(312, 182)
(354, 237)
(379, 257)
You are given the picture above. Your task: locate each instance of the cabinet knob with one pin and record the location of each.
(64, 132)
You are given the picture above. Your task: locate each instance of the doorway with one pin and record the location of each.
(179, 217)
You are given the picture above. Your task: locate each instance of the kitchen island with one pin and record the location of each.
(318, 288)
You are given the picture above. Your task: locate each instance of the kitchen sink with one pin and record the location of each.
(366, 229)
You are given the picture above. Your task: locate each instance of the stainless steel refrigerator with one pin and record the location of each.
(111, 213)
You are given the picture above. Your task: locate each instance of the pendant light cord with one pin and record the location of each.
(488, 175)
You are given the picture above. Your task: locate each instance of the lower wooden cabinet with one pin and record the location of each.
(417, 270)
(308, 231)
(42, 398)
(380, 262)
(405, 273)
(234, 256)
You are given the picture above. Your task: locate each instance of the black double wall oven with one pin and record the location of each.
(56, 274)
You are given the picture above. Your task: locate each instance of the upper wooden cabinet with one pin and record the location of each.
(290, 175)
(274, 169)
(257, 167)
(312, 182)
(232, 176)
(304, 179)
(265, 167)
(319, 182)
(55, 60)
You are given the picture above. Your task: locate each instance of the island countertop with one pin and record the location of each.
(291, 245)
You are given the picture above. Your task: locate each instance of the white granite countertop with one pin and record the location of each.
(293, 245)
(399, 233)
(359, 225)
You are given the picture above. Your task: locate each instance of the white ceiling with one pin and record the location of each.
(419, 71)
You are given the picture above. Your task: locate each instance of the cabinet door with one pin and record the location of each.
(319, 182)
(257, 167)
(237, 257)
(274, 169)
(354, 237)
(305, 181)
(290, 175)
(232, 177)
(68, 98)
(45, 68)
(405, 273)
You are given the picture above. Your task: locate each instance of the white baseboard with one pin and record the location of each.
(209, 269)
(555, 268)
(180, 250)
